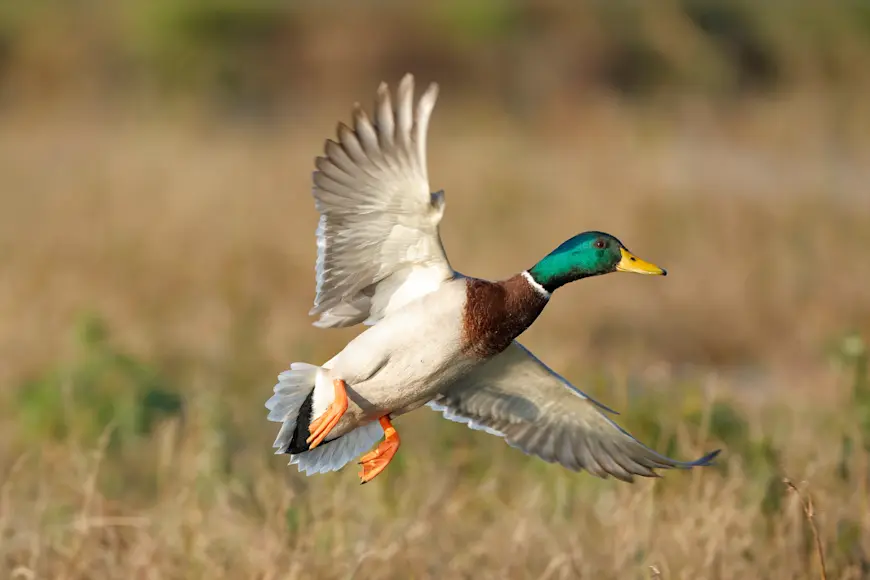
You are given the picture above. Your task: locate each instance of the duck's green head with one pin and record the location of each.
(588, 254)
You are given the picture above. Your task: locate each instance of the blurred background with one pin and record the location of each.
(157, 266)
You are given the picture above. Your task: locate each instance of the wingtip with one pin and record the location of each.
(407, 83)
(432, 91)
(342, 129)
(358, 112)
(706, 460)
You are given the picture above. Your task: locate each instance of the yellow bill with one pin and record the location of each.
(631, 263)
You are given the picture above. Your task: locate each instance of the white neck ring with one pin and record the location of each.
(534, 284)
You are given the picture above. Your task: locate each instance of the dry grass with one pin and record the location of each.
(193, 240)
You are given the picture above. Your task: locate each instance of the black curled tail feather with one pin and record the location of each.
(298, 443)
(291, 405)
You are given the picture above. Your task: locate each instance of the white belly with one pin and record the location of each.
(400, 363)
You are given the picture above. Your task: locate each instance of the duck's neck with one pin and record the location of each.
(536, 285)
(498, 312)
(557, 269)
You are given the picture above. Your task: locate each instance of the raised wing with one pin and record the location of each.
(378, 245)
(518, 397)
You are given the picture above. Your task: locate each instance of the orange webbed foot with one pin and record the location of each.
(320, 427)
(375, 461)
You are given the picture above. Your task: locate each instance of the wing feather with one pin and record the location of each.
(378, 245)
(518, 397)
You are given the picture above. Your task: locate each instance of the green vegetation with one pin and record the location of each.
(102, 389)
(254, 52)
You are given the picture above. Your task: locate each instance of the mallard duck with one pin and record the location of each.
(435, 337)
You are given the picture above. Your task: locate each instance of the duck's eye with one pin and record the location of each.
(599, 244)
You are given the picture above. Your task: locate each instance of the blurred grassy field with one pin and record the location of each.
(157, 264)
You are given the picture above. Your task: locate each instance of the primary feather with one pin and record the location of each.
(378, 242)
(516, 396)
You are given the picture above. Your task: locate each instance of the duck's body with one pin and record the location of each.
(436, 337)
(424, 346)
(420, 347)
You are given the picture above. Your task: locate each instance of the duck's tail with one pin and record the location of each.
(293, 404)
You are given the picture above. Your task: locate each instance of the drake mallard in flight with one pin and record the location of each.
(435, 337)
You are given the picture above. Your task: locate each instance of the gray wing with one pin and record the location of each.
(378, 245)
(518, 397)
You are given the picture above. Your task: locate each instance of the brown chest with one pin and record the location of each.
(497, 312)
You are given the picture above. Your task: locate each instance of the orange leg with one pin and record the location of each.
(321, 426)
(376, 461)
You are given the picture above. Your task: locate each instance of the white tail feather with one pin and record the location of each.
(293, 387)
(333, 455)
